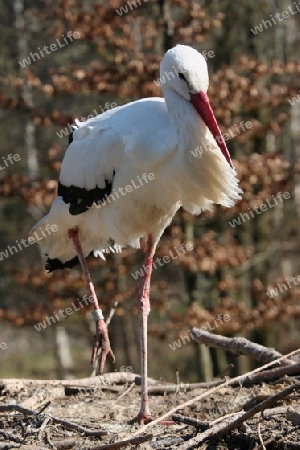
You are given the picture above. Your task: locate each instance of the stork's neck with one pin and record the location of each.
(184, 120)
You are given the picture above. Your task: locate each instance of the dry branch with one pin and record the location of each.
(35, 400)
(182, 387)
(9, 437)
(131, 441)
(74, 426)
(127, 391)
(65, 423)
(156, 388)
(237, 346)
(260, 437)
(7, 446)
(104, 382)
(202, 425)
(18, 408)
(49, 440)
(42, 428)
(272, 374)
(227, 425)
(226, 382)
(101, 380)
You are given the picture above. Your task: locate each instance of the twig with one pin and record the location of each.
(168, 442)
(260, 437)
(18, 408)
(75, 390)
(74, 426)
(227, 382)
(38, 398)
(200, 424)
(42, 428)
(9, 437)
(43, 407)
(127, 391)
(228, 367)
(49, 441)
(66, 423)
(6, 446)
(105, 381)
(272, 374)
(234, 408)
(267, 375)
(155, 385)
(220, 419)
(237, 346)
(108, 378)
(111, 313)
(228, 425)
(184, 387)
(131, 441)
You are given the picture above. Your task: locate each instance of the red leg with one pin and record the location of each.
(143, 302)
(101, 338)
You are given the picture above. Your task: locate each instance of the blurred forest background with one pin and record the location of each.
(254, 77)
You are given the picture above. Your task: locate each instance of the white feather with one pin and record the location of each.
(150, 136)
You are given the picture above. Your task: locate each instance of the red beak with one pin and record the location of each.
(201, 104)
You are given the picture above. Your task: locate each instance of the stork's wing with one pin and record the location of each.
(138, 133)
(87, 172)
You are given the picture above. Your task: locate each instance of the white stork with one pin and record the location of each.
(123, 147)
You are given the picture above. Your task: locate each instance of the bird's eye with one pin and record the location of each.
(181, 76)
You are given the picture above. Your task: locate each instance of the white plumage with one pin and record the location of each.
(149, 136)
(153, 136)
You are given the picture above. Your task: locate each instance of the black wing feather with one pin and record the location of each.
(81, 199)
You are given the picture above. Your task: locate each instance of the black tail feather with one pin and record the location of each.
(54, 264)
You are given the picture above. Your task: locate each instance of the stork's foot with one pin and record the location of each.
(101, 340)
(142, 418)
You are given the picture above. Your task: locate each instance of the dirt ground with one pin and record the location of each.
(97, 406)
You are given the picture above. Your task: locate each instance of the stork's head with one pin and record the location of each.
(184, 70)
